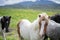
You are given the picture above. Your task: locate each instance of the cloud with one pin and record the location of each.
(10, 2)
(56, 1)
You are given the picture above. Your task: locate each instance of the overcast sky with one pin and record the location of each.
(56, 1)
(10, 2)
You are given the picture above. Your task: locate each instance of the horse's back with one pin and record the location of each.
(24, 23)
(24, 28)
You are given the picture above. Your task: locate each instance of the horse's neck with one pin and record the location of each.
(35, 25)
(53, 23)
(0, 23)
(0, 18)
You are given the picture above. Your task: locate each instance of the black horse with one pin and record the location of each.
(4, 24)
(5, 21)
(55, 18)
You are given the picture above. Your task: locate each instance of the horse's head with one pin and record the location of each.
(56, 18)
(43, 22)
(5, 21)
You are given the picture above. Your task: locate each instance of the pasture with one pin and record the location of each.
(17, 15)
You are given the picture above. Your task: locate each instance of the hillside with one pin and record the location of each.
(39, 4)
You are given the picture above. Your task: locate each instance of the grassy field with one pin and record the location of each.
(17, 15)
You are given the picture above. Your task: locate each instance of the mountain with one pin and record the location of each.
(39, 4)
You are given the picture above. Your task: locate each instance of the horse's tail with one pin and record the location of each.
(18, 30)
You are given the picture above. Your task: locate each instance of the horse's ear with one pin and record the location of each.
(49, 17)
(3, 19)
(39, 15)
(3, 16)
(9, 17)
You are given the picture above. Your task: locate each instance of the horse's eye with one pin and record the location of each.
(49, 17)
(43, 19)
(39, 15)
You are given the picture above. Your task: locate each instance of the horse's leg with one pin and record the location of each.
(6, 29)
(54, 39)
(51, 39)
(3, 34)
(21, 38)
(59, 38)
(19, 33)
(46, 37)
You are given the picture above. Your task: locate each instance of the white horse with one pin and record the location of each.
(36, 27)
(30, 31)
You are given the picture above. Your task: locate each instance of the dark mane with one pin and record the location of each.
(56, 18)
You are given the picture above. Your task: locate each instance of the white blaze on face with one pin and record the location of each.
(45, 17)
(6, 21)
(42, 28)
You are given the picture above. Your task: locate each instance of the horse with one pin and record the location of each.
(37, 26)
(56, 18)
(4, 25)
(30, 31)
(51, 30)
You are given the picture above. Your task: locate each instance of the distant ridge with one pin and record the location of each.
(39, 4)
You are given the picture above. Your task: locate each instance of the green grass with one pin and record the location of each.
(17, 15)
